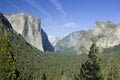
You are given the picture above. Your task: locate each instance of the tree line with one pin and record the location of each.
(91, 69)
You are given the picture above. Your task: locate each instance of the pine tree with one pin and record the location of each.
(63, 77)
(7, 62)
(113, 70)
(44, 77)
(90, 70)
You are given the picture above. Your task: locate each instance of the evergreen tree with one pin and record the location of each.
(7, 62)
(44, 77)
(113, 70)
(90, 70)
(63, 76)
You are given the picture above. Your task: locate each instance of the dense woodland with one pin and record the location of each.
(21, 61)
(59, 66)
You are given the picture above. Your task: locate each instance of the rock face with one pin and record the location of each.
(109, 32)
(28, 27)
(105, 34)
(27, 58)
(46, 44)
(4, 23)
(75, 42)
(54, 39)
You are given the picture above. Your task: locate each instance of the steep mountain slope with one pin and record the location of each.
(106, 34)
(74, 42)
(109, 33)
(27, 58)
(31, 63)
(45, 41)
(29, 27)
(113, 52)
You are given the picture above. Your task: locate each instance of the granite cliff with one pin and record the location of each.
(30, 28)
(105, 34)
(45, 41)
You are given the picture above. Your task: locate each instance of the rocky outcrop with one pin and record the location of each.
(30, 28)
(109, 32)
(105, 34)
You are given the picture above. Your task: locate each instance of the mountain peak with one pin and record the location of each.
(102, 24)
(104, 27)
(105, 34)
(23, 14)
(29, 27)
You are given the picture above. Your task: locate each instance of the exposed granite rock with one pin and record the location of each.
(105, 34)
(109, 32)
(28, 27)
(46, 44)
(54, 39)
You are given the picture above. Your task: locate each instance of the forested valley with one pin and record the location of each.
(21, 61)
(59, 65)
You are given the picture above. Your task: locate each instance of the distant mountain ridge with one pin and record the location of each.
(30, 28)
(106, 34)
(54, 39)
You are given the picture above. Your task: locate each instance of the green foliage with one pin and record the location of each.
(113, 73)
(63, 77)
(60, 65)
(44, 77)
(94, 39)
(112, 70)
(90, 70)
(7, 62)
(27, 58)
(16, 54)
(32, 63)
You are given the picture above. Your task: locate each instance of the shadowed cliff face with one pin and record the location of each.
(4, 23)
(46, 44)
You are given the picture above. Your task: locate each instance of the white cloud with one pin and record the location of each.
(86, 29)
(58, 6)
(14, 5)
(71, 24)
(34, 4)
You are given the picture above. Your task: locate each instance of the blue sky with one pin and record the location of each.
(60, 17)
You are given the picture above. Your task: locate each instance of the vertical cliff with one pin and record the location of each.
(29, 27)
(45, 41)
